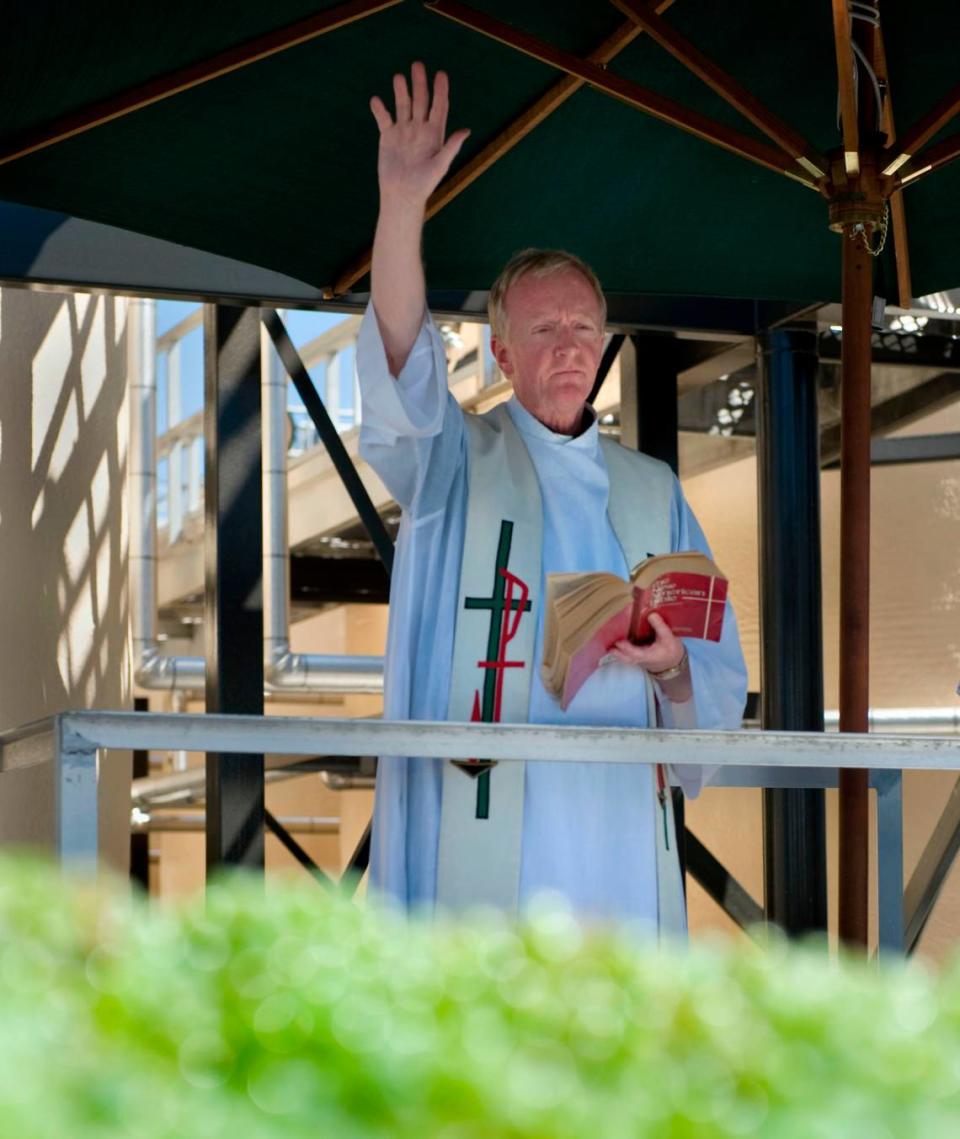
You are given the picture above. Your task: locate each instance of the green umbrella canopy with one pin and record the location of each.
(275, 163)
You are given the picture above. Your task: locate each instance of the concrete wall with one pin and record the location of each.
(63, 566)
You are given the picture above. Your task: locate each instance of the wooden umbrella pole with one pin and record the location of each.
(855, 577)
(858, 203)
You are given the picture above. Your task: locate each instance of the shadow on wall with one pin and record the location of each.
(63, 455)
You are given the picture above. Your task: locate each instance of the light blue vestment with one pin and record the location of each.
(587, 826)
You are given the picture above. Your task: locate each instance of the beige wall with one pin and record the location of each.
(63, 566)
(914, 652)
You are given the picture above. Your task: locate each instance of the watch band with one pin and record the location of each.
(673, 672)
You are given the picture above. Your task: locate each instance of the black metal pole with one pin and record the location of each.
(706, 869)
(286, 839)
(610, 354)
(233, 542)
(791, 644)
(648, 397)
(330, 437)
(360, 859)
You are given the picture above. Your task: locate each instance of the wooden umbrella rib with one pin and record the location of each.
(933, 158)
(848, 95)
(901, 249)
(788, 139)
(922, 131)
(525, 123)
(504, 142)
(898, 214)
(184, 78)
(623, 89)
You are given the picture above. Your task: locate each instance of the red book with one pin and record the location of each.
(587, 613)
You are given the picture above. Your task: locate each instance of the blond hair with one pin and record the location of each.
(541, 263)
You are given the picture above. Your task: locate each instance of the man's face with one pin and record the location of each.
(551, 346)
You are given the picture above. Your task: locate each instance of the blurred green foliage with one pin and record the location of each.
(293, 1013)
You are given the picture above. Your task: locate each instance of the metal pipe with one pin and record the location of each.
(285, 672)
(336, 781)
(152, 670)
(142, 822)
(143, 489)
(157, 672)
(897, 721)
(190, 786)
(173, 788)
(289, 675)
(290, 672)
(912, 721)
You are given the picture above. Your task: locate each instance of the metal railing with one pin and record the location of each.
(72, 742)
(189, 784)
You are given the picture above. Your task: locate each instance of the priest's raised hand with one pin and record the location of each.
(414, 155)
(414, 152)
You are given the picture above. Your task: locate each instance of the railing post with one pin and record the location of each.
(75, 797)
(890, 916)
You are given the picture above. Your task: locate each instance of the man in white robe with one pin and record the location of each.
(588, 829)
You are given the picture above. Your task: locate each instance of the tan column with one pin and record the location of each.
(63, 558)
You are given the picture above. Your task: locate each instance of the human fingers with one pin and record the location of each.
(663, 633)
(402, 98)
(441, 103)
(450, 149)
(655, 657)
(628, 653)
(421, 92)
(639, 656)
(380, 113)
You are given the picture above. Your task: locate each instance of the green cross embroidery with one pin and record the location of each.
(500, 604)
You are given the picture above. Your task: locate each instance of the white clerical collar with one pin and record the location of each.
(529, 425)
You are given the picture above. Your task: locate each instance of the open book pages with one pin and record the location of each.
(587, 613)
